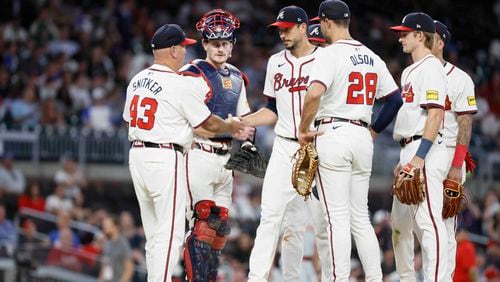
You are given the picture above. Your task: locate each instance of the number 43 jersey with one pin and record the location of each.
(353, 76)
(164, 107)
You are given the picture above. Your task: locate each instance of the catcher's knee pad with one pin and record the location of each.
(203, 208)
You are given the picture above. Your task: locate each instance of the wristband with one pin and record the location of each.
(459, 157)
(423, 149)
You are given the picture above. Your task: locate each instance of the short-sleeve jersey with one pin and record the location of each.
(287, 78)
(460, 99)
(353, 76)
(163, 107)
(423, 86)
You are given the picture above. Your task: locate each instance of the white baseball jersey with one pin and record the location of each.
(287, 78)
(460, 99)
(424, 86)
(355, 78)
(163, 107)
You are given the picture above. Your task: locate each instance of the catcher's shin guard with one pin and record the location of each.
(221, 221)
(199, 244)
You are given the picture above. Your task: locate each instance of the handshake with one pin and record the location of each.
(238, 129)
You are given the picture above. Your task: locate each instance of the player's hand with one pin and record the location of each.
(308, 137)
(417, 162)
(373, 133)
(455, 174)
(235, 125)
(246, 134)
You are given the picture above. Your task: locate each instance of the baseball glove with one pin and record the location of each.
(304, 169)
(453, 198)
(409, 186)
(248, 159)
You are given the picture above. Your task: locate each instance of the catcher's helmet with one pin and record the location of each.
(218, 24)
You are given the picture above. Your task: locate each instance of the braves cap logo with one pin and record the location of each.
(315, 31)
(281, 15)
(404, 19)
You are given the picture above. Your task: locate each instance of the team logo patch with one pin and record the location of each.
(471, 100)
(227, 83)
(431, 95)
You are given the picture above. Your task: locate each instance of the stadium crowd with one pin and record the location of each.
(66, 64)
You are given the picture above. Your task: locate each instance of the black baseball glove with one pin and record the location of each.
(248, 159)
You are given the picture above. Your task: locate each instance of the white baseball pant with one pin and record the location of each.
(424, 219)
(345, 161)
(277, 194)
(207, 179)
(321, 233)
(160, 186)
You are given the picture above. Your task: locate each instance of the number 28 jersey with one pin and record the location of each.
(163, 106)
(353, 76)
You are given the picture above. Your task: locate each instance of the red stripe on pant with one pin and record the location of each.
(433, 224)
(189, 186)
(329, 223)
(173, 220)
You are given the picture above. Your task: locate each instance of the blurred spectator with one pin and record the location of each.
(465, 270)
(8, 234)
(93, 250)
(492, 274)
(117, 257)
(32, 198)
(51, 115)
(25, 111)
(57, 201)
(31, 247)
(383, 230)
(63, 223)
(43, 29)
(12, 179)
(64, 254)
(99, 115)
(71, 177)
(79, 93)
(130, 231)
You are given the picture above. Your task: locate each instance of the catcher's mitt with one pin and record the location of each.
(304, 169)
(248, 159)
(409, 186)
(453, 198)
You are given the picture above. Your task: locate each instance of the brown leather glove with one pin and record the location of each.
(304, 169)
(409, 186)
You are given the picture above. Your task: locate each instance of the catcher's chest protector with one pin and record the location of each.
(226, 88)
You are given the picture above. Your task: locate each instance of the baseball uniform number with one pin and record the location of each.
(150, 105)
(358, 83)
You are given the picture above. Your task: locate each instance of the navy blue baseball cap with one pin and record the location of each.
(290, 16)
(416, 21)
(314, 34)
(170, 35)
(334, 10)
(443, 31)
